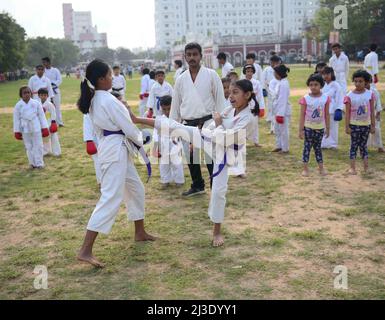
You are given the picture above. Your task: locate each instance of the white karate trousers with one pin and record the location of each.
(375, 140)
(120, 182)
(143, 107)
(256, 130)
(270, 116)
(218, 195)
(57, 103)
(332, 141)
(282, 135)
(52, 145)
(170, 173)
(33, 143)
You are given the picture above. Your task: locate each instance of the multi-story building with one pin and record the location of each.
(79, 29)
(264, 19)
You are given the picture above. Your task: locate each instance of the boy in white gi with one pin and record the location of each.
(40, 81)
(234, 124)
(371, 63)
(119, 83)
(340, 64)
(145, 88)
(51, 143)
(171, 162)
(282, 109)
(54, 75)
(29, 125)
(226, 66)
(91, 141)
(267, 78)
(119, 140)
(251, 59)
(160, 89)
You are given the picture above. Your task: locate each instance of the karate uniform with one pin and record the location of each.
(336, 94)
(29, 119)
(197, 100)
(171, 162)
(145, 89)
(282, 108)
(226, 69)
(240, 125)
(259, 95)
(271, 91)
(51, 143)
(375, 140)
(178, 72)
(54, 76)
(341, 67)
(89, 135)
(120, 179)
(119, 85)
(35, 84)
(371, 64)
(267, 76)
(258, 75)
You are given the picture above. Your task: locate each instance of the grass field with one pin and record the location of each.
(284, 234)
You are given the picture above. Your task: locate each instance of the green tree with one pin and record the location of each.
(12, 44)
(105, 54)
(64, 53)
(38, 48)
(124, 55)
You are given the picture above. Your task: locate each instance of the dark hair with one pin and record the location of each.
(145, 71)
(282, 71)
(152, 75)
(158, 72)
(373, 47)
(251, 56)
(320, 65)
(273, 53)
(275, 58)
(222, 56)
(39, 66)
(316, 78)
(179, 63)
(329, 70)
(336, 45)
(95, 70)
(226, 80)
(362, 74)
(232, 73)
(42, 91)
(248, 66)
(115, 68)
(193, 45)
(165, 101)
(246, 86)
(22, 89)
(46, 59)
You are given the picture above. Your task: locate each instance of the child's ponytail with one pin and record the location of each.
(95, 70)
(255, 111)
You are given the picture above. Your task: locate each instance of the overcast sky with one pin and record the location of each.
(128, 23)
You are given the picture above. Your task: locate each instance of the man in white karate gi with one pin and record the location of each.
(341, 65)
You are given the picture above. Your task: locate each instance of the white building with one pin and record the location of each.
(264, 19)
(79, 29)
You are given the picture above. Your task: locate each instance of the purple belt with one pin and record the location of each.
(141, 150)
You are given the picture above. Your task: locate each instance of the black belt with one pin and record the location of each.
(120, 89)
(198, 122)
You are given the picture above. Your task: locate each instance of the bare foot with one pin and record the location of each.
(323, 172)
(305, 173)
(91, 260)
(257, 145)
(381, 150)
(144, 236)
(242, 176)
(277, 150)
(352, 172)
(218, 241)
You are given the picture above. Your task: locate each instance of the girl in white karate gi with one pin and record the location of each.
(334, 90)
(375, 140)
(118, 142)
(249, 72)
(282, 109)
(29, 125)
(235, 122)
(51, 143)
